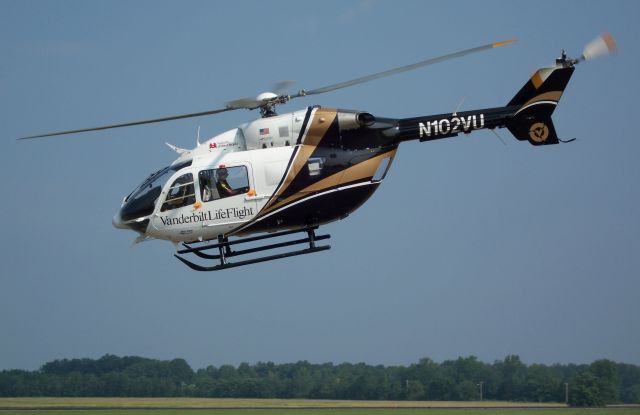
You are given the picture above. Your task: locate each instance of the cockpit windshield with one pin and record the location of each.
(141, 201)
(157, 179)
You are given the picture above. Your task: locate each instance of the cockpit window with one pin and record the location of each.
(142, 201)
(223, 182)
(157, 179)
(181, 193)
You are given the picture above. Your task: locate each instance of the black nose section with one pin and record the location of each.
(134, 213)
(118, 223)
(139, 225)
(140, 206)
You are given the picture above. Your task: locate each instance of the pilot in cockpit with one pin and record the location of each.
(222, 185)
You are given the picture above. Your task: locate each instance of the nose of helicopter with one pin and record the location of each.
(117, 222)
(121, 221)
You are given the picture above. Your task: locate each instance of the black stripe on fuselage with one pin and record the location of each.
(322, 151)
(316, 209)
(307, 117)
(303, 130)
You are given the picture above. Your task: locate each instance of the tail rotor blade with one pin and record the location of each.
(603, 45)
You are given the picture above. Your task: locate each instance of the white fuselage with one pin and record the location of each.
(284, 171)
(207, 219)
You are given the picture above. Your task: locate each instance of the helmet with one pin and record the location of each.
(222, 172)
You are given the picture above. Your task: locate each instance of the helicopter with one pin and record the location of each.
(287, 174)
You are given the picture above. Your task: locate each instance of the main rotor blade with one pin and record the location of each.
(252, 104)
(129, 124)
(401, 69)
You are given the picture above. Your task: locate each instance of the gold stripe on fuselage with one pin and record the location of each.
(322, 120)
(360, 171)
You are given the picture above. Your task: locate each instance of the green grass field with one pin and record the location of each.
(174, 406)
(346, 411)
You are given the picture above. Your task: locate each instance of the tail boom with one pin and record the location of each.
(435, 127)
(527, 116)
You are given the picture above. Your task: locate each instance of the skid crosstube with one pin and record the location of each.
(225, 252)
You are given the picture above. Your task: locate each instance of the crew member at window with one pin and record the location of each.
(223, 186)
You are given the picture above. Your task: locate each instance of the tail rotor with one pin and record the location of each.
(603, 45)
(539, 97)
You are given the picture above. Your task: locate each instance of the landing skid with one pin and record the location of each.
(225, 252)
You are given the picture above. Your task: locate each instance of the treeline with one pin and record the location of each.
(599, 383)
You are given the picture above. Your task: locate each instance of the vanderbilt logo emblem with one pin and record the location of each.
(539, 132)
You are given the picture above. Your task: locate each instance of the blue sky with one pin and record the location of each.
(470, 246)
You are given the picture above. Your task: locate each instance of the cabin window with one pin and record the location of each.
(382, 169)
(181, 193)
(223, 182)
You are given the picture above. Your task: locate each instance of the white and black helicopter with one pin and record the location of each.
(281, 175)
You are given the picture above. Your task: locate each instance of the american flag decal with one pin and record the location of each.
(264, 131)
